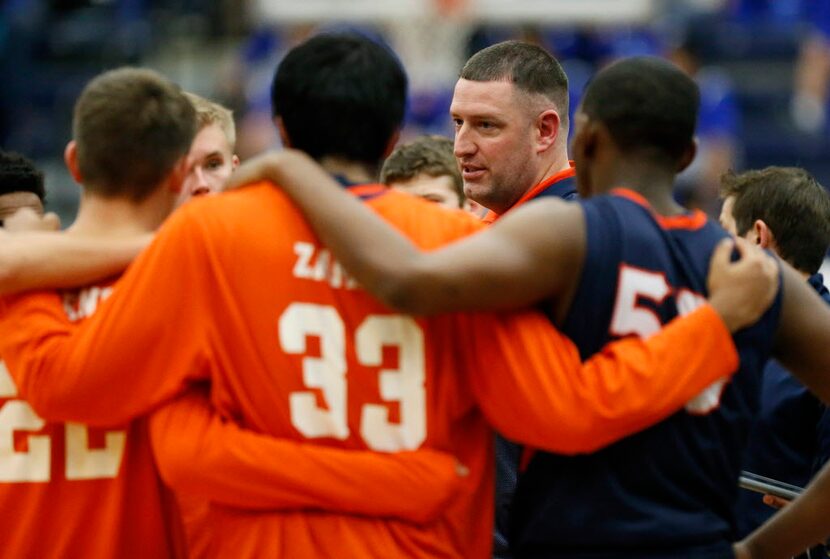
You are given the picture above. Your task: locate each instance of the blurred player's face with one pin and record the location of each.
(210, 162)
(435, 189)
(13, 201)
(727, 220)
(494, 142)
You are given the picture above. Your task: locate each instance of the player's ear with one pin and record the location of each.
(587, 139)
(688, 155)
(175, 180)
(70, 157)
(286, 141)
(763, 234)
(393, 141)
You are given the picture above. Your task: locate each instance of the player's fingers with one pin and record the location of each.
(775, 502)
(743, 247)
(52, 221)
(251, 171)
(723, 252)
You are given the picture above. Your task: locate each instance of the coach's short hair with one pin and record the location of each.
(209, 112)
(427, 155)
(529, 67)
(340, 95)
(19, 174)
(794, 206)
(131, 126)
(648, 105)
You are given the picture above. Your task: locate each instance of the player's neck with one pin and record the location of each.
(653, 183)
(117, 217)
(352, 171)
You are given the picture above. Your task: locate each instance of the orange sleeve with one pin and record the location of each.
(198, 452)
(532, 387)
(128, 356)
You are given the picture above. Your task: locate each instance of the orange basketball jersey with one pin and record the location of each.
(68, 490)
(236, 289)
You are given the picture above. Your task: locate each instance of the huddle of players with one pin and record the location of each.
(63, 369)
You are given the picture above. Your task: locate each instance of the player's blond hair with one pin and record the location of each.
(208, 112)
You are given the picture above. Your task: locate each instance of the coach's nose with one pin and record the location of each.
(463, 146)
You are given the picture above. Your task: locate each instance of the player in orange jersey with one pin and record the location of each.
(132, 129)
(631, 257)
(294, 349)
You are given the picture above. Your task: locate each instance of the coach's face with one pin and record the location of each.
(494, 142)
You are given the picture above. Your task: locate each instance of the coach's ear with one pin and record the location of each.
(548, 126)
(286, 141)
(70, 157)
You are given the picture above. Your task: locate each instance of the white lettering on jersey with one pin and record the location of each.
(34, 463)
(632, 318)
(84, 303)
(317, 264)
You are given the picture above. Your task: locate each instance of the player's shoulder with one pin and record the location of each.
(426, 223)
(247, 207)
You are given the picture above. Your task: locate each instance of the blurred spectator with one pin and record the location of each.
(717, 128)
(812, 71)
(21, 185)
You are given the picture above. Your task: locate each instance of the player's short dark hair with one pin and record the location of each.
(648, 105)
(340, 95)
(428, 155)
(131, 127)
(529, 67)
(19, 174)
(792, 204)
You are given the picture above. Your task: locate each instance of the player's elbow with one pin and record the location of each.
(418, 290)
(9, 272)
(570, 436)
(175, 463)
(401, 294)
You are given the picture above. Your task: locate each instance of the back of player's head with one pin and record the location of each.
(340, 95)
(794, 206)
(208, 113)
(529, 67)
(131, 126)
(427, 155)
(648, 105)
(19, 174)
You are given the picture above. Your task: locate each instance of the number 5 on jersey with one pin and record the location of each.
(328, 373)
(632, 318)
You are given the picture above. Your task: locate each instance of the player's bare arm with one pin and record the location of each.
(466, 275)
(463, 276)
(800, 525)
(37, 260)
(805, 326)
